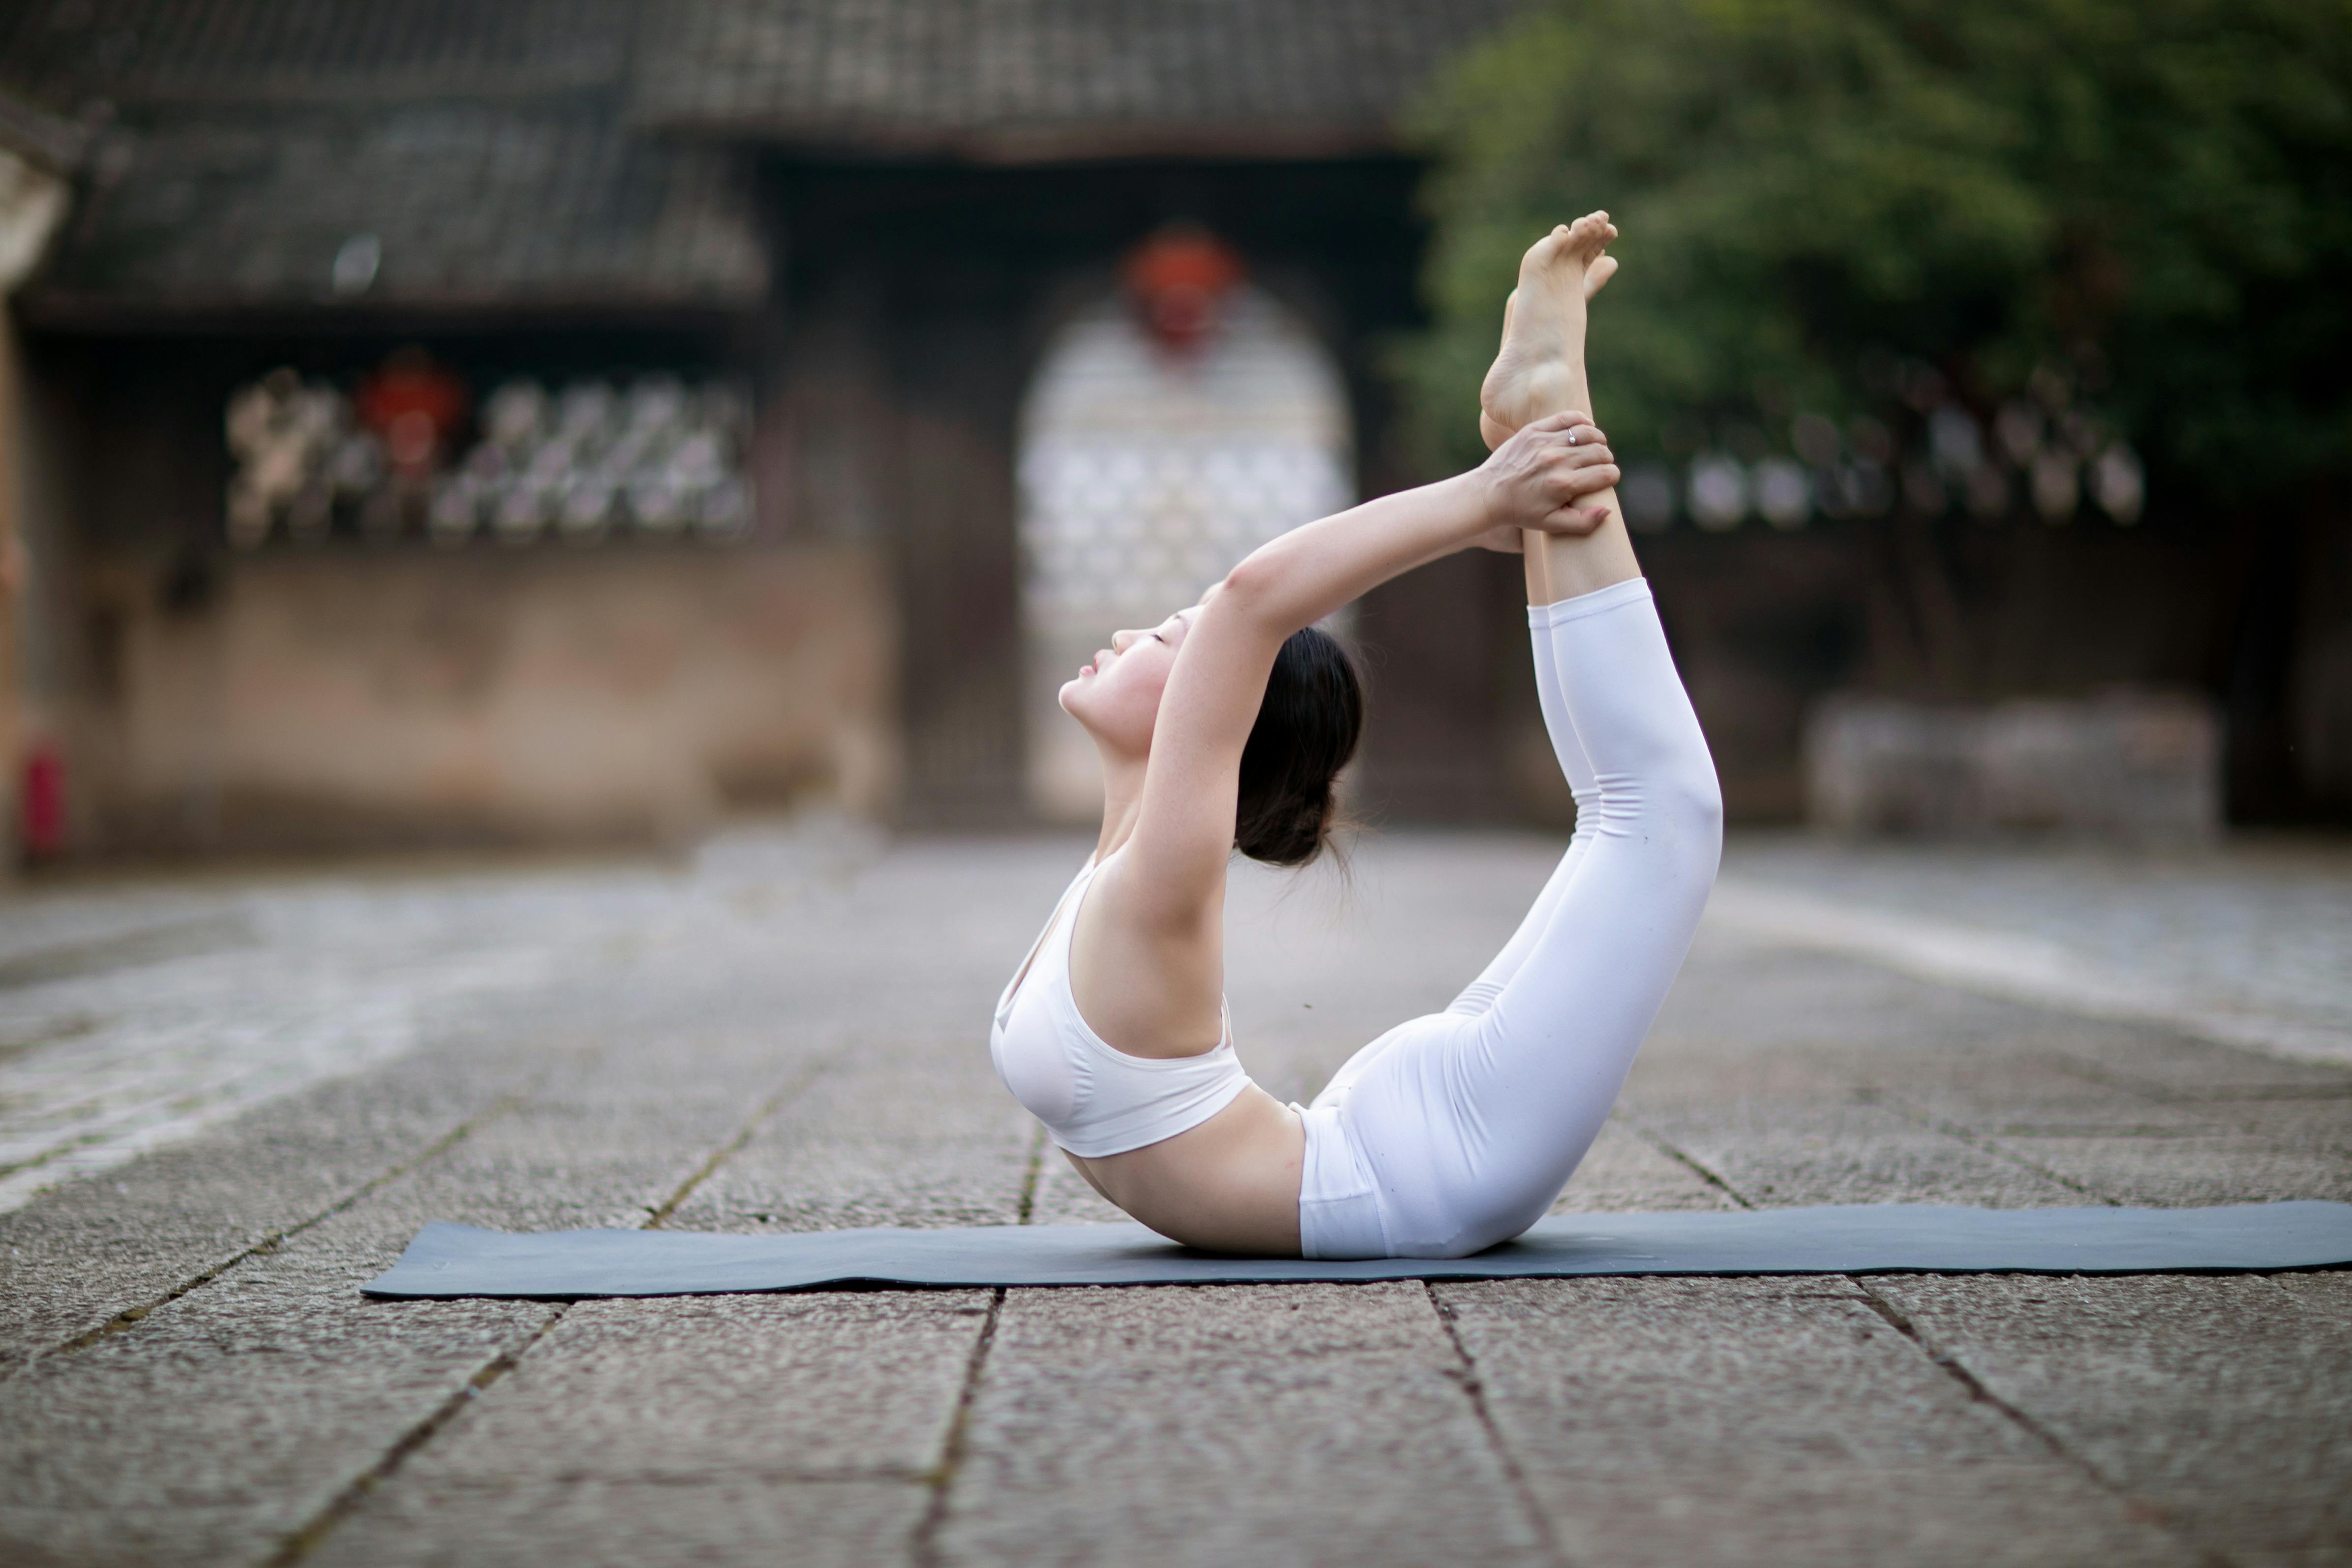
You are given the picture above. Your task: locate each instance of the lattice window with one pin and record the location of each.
(1146, 473)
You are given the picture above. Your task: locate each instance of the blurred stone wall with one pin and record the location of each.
(340, 699)
(2133, 765)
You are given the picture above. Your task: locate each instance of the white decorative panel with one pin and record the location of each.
(1145, 475)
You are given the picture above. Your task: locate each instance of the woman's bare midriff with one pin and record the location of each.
(1229, 1184)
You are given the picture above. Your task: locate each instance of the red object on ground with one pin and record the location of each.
(415, 405)
(42, 824)
(1177, 277)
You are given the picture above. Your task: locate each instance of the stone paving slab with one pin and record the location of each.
(891, 1134)
(2031, 1092)
(792, 1028)
(2221, 1405)
(723, 1430)
(1309, 1424)
(232, 1418)
(1875, 1083)
(2156, 1061)
(841, 1386)
(587, 1523)
(1626, 1173)
(1782, 1153)
(1671, 1421)
(315, 1385)
(2240, 941)
(127, 1240)
(147, 1039)
(2325, 1294)
(2167, 1170)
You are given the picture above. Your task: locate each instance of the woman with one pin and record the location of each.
(1222, 728)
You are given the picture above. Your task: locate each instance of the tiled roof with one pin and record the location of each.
(50, 141)
(569, 151)
(135, 53)
(439, 204)
(477, 149)
(1020, 79)
(997, 78)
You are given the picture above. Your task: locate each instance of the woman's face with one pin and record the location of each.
(1116, 693)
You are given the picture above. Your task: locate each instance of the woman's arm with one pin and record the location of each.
(1541, 479)
(1561, 565)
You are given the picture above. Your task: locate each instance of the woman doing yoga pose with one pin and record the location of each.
(1223, 726)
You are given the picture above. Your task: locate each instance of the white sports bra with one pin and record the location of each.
(1094, 1098)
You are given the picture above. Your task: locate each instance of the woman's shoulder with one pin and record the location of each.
(1145, 984)
(1122, 890)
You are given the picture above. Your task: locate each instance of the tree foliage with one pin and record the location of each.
(2140, 210)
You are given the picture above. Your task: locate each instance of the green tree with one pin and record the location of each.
(2121, 219)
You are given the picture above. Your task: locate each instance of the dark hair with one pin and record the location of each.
(1306, 729)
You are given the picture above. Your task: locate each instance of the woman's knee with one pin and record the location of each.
(1695, 806)
(1676, 811)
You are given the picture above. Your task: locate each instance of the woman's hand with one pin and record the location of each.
(1538, 477)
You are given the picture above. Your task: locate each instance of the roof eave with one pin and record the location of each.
(95, 312)
(1015, 144)
(52, 142)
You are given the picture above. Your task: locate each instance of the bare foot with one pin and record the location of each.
(1539, 368)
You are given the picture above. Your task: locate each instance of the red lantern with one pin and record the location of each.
(42, 812)
(1177, 278)
(415, 405)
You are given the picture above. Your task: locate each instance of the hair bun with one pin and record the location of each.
(1299, 837)
(1308, 726)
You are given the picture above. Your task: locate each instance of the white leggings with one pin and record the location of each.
(1456, 1130)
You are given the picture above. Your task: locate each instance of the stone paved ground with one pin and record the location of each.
(2248, 947)
(225, 1103)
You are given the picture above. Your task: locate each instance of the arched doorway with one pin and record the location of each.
(1146, 469)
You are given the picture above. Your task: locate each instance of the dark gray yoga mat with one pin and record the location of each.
(448, 1260)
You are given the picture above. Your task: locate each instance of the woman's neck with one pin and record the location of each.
(1122, 803)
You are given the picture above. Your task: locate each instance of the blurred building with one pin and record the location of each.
(428, 422)
(575, 418)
